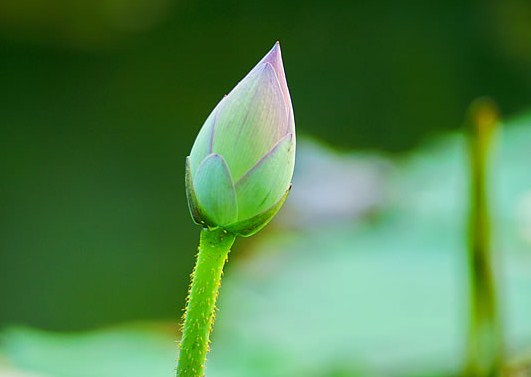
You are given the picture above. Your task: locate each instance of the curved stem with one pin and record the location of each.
(214, 248)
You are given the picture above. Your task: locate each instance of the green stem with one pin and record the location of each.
(485, 343)
(214, 248)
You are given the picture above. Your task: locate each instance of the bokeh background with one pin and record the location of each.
(100, 102)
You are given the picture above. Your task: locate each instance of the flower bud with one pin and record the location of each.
(239, 171)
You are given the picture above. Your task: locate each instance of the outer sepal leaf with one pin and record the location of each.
(211, 196)
(262, 186)
(198, 215)
(247, 228)
(214, 190)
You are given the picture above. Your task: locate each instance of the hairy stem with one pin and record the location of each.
(214, 248)
(485, 343)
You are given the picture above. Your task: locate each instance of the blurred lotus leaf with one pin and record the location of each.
(382, 295)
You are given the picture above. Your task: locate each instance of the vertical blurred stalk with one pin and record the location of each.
(485, 343)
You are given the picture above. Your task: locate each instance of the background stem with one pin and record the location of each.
(485, 344)
(214, 248)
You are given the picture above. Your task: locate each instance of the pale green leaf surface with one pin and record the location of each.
(132, 351)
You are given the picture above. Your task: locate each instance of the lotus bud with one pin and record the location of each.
(239, 171)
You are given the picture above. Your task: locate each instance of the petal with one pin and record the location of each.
(250, 120)
(263, 186)
(274, 57)
(214, 190)
(203, 143)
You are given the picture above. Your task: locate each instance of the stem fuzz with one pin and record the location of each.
(214, 248)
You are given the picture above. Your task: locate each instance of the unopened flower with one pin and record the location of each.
(241, 164)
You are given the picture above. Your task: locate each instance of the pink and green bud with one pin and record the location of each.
(241, 164)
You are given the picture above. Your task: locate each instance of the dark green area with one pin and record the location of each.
(96, 119)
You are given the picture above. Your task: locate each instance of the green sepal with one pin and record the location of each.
(262, 186)
(214, 190)
(198, 215)
(247, 228)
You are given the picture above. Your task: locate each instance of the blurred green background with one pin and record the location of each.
(100, 102)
